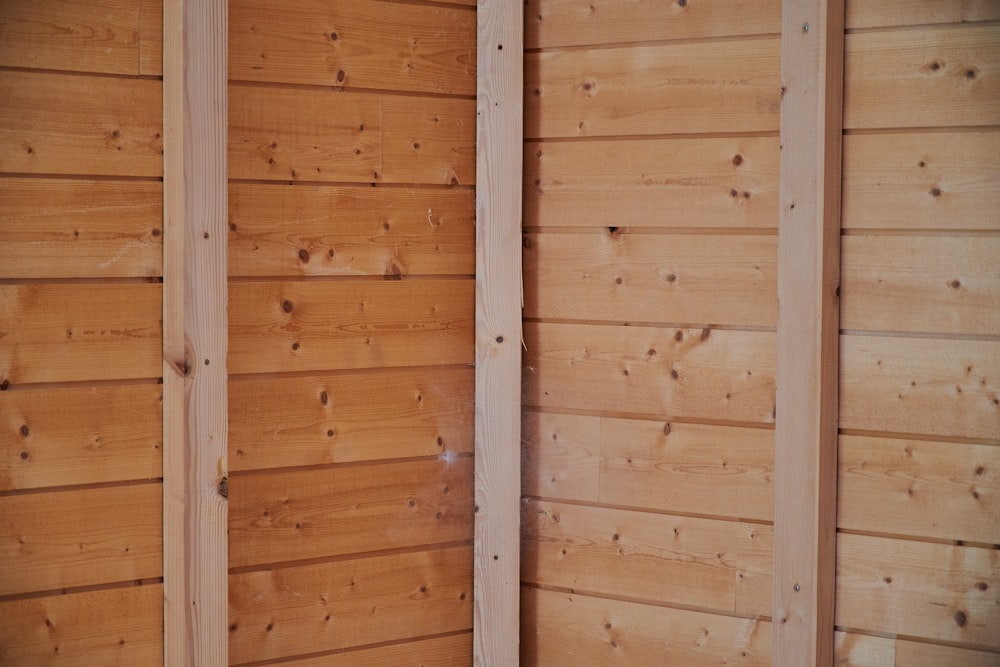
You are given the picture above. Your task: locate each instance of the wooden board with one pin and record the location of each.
(285, 326)
(65, 539)
(862, 14)
(674, 560)
(560, 456)
(926, 180)
(922, 386)
(281, 422)
(122, 626)
(560, 629)
(926, 77)
(295, 515)
(359, 44)
(55, 228)
(58, 333)
(669, 279)
(717, 182)
(300, 610)
(437, 652)
(721, 375)
(56, 437)
(857, 650)
(151, 37)
(428, 140)
(553, 23)
(280, 230)
(67, 124)
(919, 589)
(667, 89)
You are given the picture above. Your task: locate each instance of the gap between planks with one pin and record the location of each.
(449, 457)
(242, 83)
(680, 41)
(651, 325)
(369, 278)
(70, 590)
(651, 137)
(640, 416)
(862, 333)
(918, 538)
(651, 231)
(909, 233)
(334, 372)
(917, 640)
(919, 129)
(352, 184)
(897, 435)
(34, 491)
(919, 27)
(358, 555)
(82, 73)
(647, 510)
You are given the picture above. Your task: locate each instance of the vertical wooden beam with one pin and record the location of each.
(194, 333)
(812, 59)
(498, 331)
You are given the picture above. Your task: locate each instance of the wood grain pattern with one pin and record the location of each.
(84, 229)
(857, 650)
(678, 88)
(58, 333)
(862, 14)
(439, 652)
(718, 182)
(65, 628)
(560, 456)
(700, 279)
(926, 77)
(151, 37)
(428, 140)
(66, 124)
(55, 437)
(300, 610)
(280, 230)
(283, 516)
(80, 538)
(281, 422)
(685, 561)
(284, 326)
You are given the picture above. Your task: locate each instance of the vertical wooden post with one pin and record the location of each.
(812, 58)
(194, 333)
(498, 331)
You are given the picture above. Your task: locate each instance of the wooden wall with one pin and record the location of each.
(919, 509)
(80, 323)
(650, 220)
(351, 315)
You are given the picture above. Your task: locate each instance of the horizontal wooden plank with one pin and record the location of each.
(56, 437)
(151, 37)
(428, 140)
(857, 650)
(920, 654)
(551, 23)
(920, 488)
(280, 230)
(560, 456)
(54, 333)
(710, 374)
(922, 386)
(64, 539)
(300, 610)
(920, 284)
(666, 89)
(122, 626)
(300, 326)
(693, 279)
(928, 77)
(294, 515)
(438, 652)
(918, 589)
(280, 422)
(926, 180)
(719, 182)
(703, 563)
(54, 228)
(560, 629)
(862, 14)
(71, 124)
(362, 44)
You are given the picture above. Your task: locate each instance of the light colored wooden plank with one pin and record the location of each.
(78, 35)
(53, 228)
(720, 470)
(922, 386)
(676, 560)
(862, 14)
(920, 654)
(439, 652)
(361, 44)
(676, 88)
(293, 515)
(921, 488)
(571, 23)
(151, 37)
(854, 650)
(64, 539)
(299, 610)
(717, 182)
(285, 326)
(692, 279)
(57, 333)
(118, 627)
(56, 437)
(69, 124)
(561, 629)
(428, 140)
(722, 375)
(927, 77)
(927, 180)
(560, 456)
(918, 589)
(299, 421)
(316, 230)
